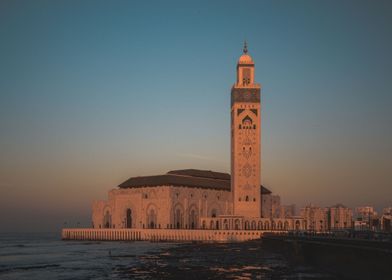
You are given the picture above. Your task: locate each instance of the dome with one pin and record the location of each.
(245, 59)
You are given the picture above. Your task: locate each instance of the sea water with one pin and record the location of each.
(45, 256)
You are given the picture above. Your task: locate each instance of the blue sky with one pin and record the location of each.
(93, 92)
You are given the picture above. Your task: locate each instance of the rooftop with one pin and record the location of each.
(205, 179)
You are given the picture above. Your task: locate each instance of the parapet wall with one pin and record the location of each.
(173, 235)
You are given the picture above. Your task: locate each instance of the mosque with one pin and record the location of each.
(200, 199)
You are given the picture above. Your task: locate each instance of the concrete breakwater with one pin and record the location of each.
(349, 258)
(166, 235)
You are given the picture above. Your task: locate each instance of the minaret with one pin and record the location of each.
(245, 139)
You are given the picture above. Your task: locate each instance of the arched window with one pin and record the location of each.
(247, 198)
(247, 122)
(214, 213)
(246, 76)
(259, 225)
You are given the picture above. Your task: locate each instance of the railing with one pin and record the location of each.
(172, 235)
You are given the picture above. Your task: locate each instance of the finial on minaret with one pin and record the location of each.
(245, 47)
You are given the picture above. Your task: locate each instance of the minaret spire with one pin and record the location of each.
(245, 140)
(245, 47)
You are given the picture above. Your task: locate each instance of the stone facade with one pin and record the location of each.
(166, 207)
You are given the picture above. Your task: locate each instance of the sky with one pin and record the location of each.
(95, 92)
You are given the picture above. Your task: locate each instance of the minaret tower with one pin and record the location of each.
(245, 139)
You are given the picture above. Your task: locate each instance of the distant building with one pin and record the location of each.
(315, 218)
(387, 210)
(270, 206)
(321, 219)
(361, 225)
(386, 220)
(365, 218)
(365, 213)
(339, 217)
(289, 211)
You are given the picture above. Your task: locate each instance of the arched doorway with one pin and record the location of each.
(247, 225)
(225, 224)
(253, 225)
(177, 218)
(237, 224)
(193, 219)
(152, 218)
(129, 218)
(107, 220)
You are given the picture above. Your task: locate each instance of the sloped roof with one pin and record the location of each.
(187, 178)
(201, 173)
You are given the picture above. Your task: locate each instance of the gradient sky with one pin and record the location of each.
(94, 92)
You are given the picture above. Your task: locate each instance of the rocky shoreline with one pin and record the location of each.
(246, 260)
